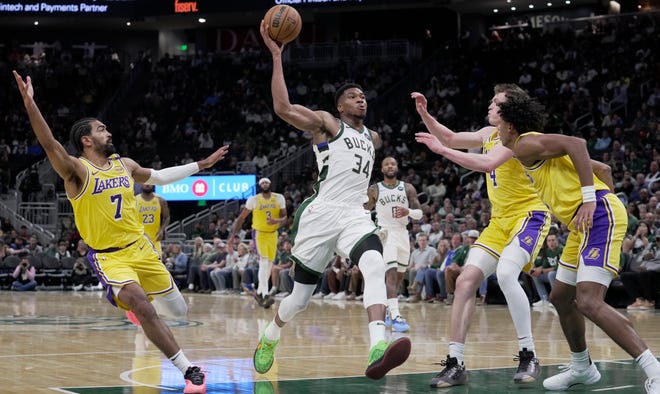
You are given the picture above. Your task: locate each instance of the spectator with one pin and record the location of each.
(24, 276)
(545, 268)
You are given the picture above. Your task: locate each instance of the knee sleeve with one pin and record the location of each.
(296, 302)
(512, 260)
(373, 271)
(171, 306)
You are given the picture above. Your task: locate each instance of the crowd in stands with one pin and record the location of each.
(598, 79)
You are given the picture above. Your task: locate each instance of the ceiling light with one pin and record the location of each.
(201, 20)
(513, 8)
(549, 4)
(508, 1)
(36, 23)
(568, 1)
(531, 6)
(128, 23)
(496, 10)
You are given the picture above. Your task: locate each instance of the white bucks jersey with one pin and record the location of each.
(345, 164)
(388, 198)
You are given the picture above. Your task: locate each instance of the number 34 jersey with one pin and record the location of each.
(345, 163)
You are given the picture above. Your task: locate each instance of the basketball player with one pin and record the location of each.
(395, 201)
(155, 214)
(333, 219)
(99, 185)
(597, 220)
(511, 241)
(268, 213)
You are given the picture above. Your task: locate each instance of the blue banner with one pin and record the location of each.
(213, 187)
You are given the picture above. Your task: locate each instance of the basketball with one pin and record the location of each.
(284, 23)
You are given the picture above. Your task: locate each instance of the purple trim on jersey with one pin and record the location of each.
(529, 235)
(91, 257)
(595, 250)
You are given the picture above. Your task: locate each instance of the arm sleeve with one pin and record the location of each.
(172, 174)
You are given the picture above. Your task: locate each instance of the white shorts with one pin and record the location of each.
(396, 250)
(322, 229)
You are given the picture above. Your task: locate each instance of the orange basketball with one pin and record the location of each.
(284, 23)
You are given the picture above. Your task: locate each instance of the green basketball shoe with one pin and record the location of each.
(264, 354)
(386, 356)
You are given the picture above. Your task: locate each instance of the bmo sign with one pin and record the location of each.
(215, 187)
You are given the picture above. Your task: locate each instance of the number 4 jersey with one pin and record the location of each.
(105, 210)
(510, 190)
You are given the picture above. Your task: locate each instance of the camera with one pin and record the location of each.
(24, 264)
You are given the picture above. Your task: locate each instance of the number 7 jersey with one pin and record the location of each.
(345, 163)
(105, 210)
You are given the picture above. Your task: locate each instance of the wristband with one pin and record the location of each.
(415, 214)
(588, 194)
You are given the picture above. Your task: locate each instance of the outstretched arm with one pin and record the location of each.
(472, 161)
(296, 115)
(71, 170)
(168, 175)
(462, 140)
(238, 223)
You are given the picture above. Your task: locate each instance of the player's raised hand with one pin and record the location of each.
(213, 158)
(432, 142)
(420, 102)
(25, 87)
(273, 46)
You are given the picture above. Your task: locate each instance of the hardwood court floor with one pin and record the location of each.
(77, 343)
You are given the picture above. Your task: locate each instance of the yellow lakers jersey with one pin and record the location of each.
(509, 189)
(558, 185)
(105, 210)
(149, 212)
(265, 208)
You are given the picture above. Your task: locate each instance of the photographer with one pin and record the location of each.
(24, 276)
(81, 276)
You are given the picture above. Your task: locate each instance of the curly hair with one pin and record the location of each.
(523, 113)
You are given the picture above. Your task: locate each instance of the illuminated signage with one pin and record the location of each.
(184, 7)
(216, 187)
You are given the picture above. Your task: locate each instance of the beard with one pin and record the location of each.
(108, 149)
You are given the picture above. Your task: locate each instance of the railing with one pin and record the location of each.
(17, 221)
(42, 214)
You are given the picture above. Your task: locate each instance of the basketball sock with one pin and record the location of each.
(272, 332)
(526, 343)
(181, 361)
(457, 350)
(263, 275)
(376, 332)
(581, 360)
(393, 304)
(649, 363)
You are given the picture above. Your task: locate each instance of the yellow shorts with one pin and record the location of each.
(139, 263)
(266, 244)
(529, 231)
(601, 245)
